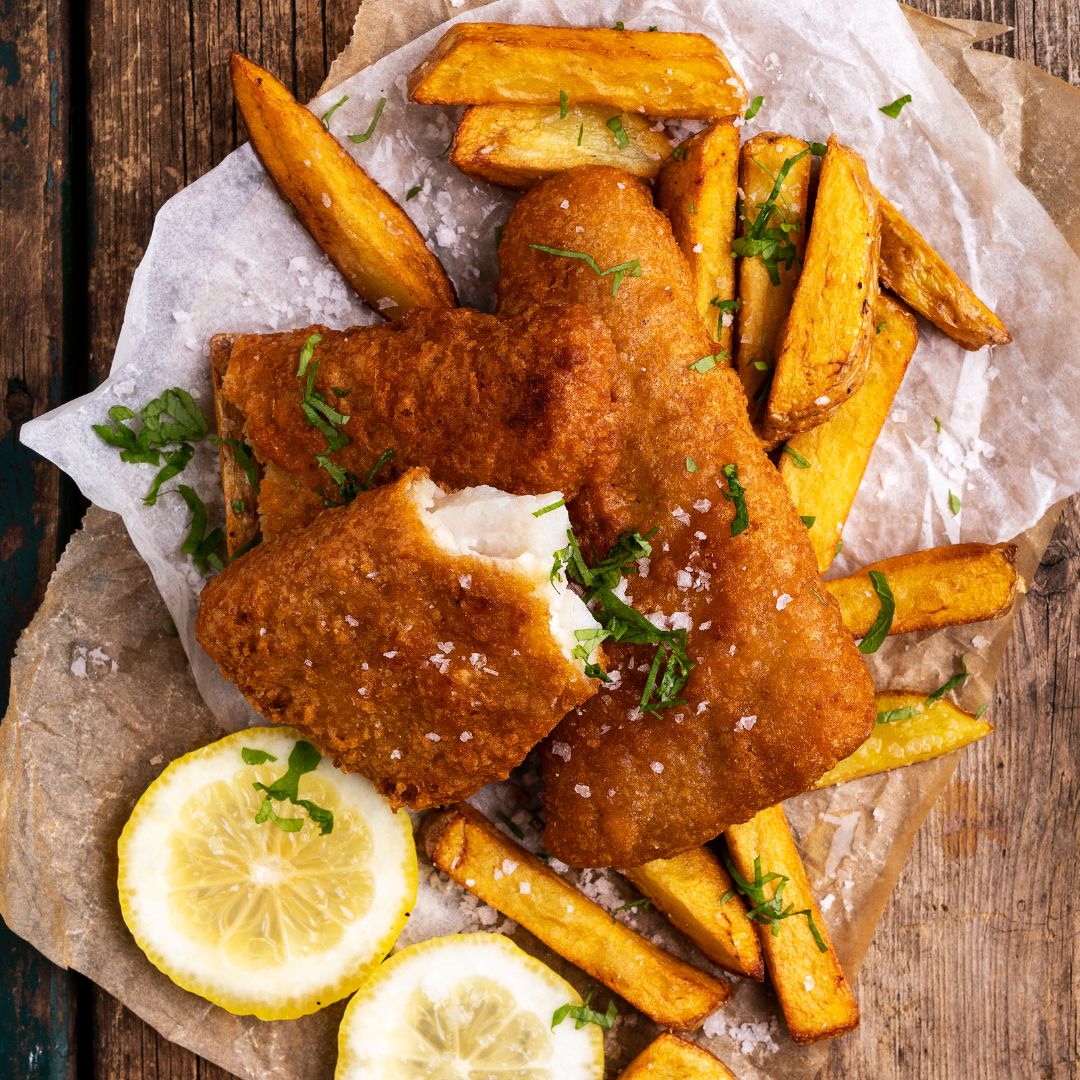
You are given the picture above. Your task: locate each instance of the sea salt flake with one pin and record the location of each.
(657, 767)
(782, 601)
(746, 723)
(680, 515)
(703, 506)
(433, 736)
(351, 621)
(583, 790)
(465, 736)
(561, 749)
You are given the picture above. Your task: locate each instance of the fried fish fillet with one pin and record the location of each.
(779, 693)
(522, 404)
(414, 635)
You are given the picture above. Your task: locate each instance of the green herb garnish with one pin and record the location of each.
(818, 149)
(365, 135)
(707, 363)
(547, 509)
(619, 25)
(772, 245)
(256, 757)
(515, 829)
(564, 104)
(642, 903)
(413, 191)
(614, 125)
(741, 521)
(691, 464)
(890, 716)
(631, 268)
(894, 107)
(242, 454)
(754, 106)
(879, 629)
(797, 459)
(954, 503)
(937, 424)
(582, 1014)
(769, 910)
(880, 327)
(200, 545)
(304, 758)
(580, 132)
(808, 520)
(980, 710)
(950, 684)
(333, 109)
(238, 506)
(678, 153)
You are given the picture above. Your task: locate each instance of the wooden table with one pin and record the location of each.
(106, 113)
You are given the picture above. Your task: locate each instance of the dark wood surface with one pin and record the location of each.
(109, 108)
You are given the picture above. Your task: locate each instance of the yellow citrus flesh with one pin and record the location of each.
(466, 1007)
(253, 918)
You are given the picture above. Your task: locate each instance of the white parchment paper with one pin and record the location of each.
(227, 255)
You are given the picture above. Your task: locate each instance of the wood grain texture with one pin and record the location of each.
(971, 972)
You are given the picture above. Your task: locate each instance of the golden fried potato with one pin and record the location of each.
(517, 145)
(909, 729)
(404, 650)
(825, 346)
(823, 467)
(688, 889)
(464, 844)
(369, 238)
(763, 303)
(522, 404)
(779, 693)
(936, 587)
(698, 190)
(661, 74)
(670, 1058)
(816, 999)
(925, 282)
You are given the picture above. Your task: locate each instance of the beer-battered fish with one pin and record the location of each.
(779, 692)
(414, 635)
(522, 404)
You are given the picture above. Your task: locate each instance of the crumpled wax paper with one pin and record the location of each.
(227, 255)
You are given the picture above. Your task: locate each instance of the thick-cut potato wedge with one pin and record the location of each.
(925, 282)
(763, 306)
(815, 997)
(921, 731)
(241, 496)
(936, 587)
(689, 889)
(825, 346)
(671, 1058)
(699, 191)
(519, 145)
(661, 74)
(464, 844)
(839, 450)
(369, 238)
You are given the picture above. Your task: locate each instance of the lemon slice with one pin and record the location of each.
(465, 1007)
(247, 915)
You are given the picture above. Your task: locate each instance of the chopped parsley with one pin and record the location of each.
(413, 191)
(937, 424)
(547, 509)
(619, 25)
(762, 365)
(515, 829)
(365, 135)
(890, 716)
(880, 327)
(818, 149)
(631, 268)
(614, 125)
(582, 1014)
(707, 363)
(727, 307)
(580, 132)
(950, 684)
(588, 641)
(564, 104)
(238, 506)
(242, 453)
(199, 544)
(691, 464)
(653, 29)
(741, 521)
(894, 107)
(769, 910)
(499, 235)
(256, 757)
(642, 902)
(808, 520)
(980, 710)
(678, 153)
(304, 758)
(954, 503)
(879, 629)
(755, 105)
(797, 459)
(839, 547)
(333, 109)
(772, 245)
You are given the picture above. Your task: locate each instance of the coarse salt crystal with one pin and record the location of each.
(351, 621)
(746, 723)
(433, 736)
(395, 755)
(465, 736)
(705, 625)
(827, 901)
(680, 515)
(445, 646)
(823, 400)
(702, 706)
(697, 249)
(391, 654)
(465, 581)
(808, 983)
(657, 767)
(782, 601)
(524, 887)
(565, 204)
(703, 506)
(561, 749)
(326, 200)
(583, 790)
(979, 641)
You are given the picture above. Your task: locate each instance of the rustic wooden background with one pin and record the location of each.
(110, 107)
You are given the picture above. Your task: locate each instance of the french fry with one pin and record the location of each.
(763, 304)
(823, 467)
(464, 844)
(698, 190)
(942, 586)
(689, 889)
(825, 346)
(909, 730)
(519, 145)
(671, 1058)
(913, 270)
(368, 237)
(661, 74)
(814, 995)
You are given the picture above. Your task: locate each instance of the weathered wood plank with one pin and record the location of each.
(36, 999)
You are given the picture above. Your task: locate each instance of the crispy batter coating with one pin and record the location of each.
(522, 404)
(780, 693)
(430, 673)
